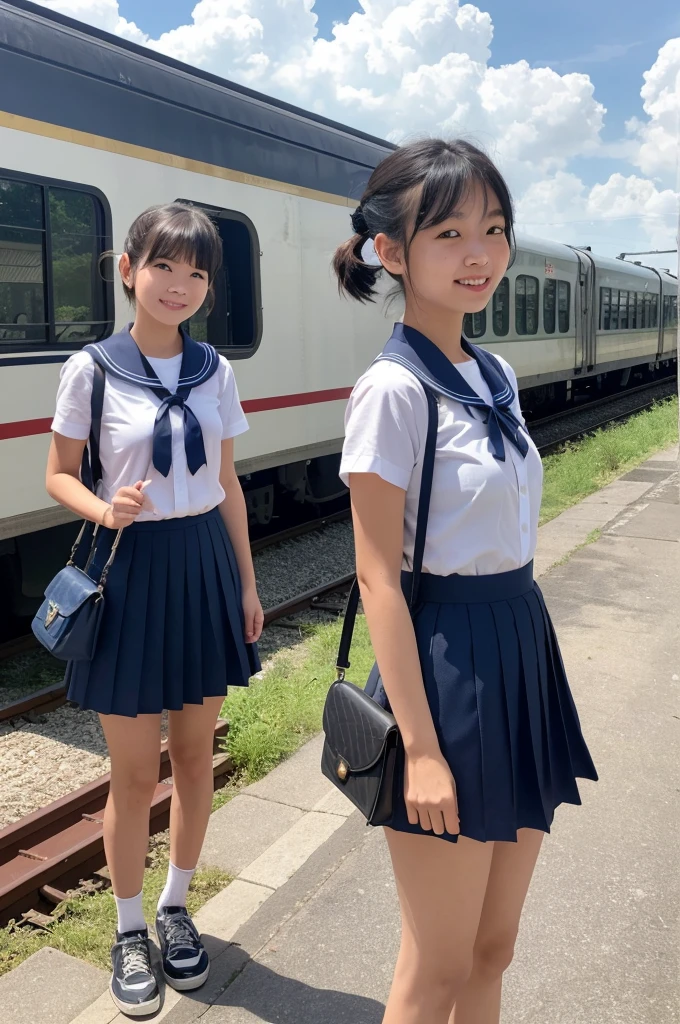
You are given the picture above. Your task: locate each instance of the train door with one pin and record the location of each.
(585, 313)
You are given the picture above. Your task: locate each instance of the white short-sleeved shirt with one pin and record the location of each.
(128, 417)
(483, 512)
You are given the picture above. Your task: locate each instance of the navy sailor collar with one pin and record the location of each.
(411, 349)
(120, 357)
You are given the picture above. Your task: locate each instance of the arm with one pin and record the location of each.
(64, 485)
(378, 515)
(233, 512)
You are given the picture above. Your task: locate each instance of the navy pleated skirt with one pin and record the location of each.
(500, 701)
(172, 630)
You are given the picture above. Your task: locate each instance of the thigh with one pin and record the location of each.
(190, 731)
(512, 867)
(134, 744)
(441, 889)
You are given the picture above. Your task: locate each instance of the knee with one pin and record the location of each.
(493, 954)
(134, 784)
(190, 763)
(441, 984)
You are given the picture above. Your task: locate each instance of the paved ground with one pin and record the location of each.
(308, 933)
(599, 943)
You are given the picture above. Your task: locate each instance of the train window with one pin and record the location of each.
(605, 308)
(22, 262)
(623, 310)
(563, 297)
(549, 297)
(647, 315)
(526, 304)
(501, 308)
(655, 311)
(639, 315)
(474, 324)
(51, 237)
(674, 311)
(614, 319)
(235, 321)
(76, 282)
(666, 320)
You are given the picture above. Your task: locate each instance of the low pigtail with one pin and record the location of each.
(355, 277)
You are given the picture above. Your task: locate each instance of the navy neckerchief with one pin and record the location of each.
(120, 356)
(411, 349)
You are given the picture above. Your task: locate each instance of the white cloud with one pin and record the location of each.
(401, 67)
(102, 14)
(658, 152)
(625, 213)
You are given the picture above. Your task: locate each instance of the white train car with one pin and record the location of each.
(94, 129)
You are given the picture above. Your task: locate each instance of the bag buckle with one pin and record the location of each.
(342, 770)
(339, 674)
(52, 612)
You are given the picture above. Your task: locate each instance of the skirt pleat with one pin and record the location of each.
(172, 629)
(500, 702)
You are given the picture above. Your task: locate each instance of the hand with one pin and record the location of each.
(253, 615)
(430, 794)
(125, 506)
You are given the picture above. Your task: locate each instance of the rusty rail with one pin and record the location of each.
(47, 852)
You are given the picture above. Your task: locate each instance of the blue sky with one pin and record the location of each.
(614, 45)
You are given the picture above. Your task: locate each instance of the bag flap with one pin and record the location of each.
(356, 727)
(69, 589)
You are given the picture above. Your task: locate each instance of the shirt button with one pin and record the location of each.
(522, 490)
(525, 528)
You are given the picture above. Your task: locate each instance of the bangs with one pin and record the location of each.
(184, 235)
(451, 181)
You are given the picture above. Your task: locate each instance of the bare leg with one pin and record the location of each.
(191, 751)
(512, 866)
(134, 747)
(441, 888)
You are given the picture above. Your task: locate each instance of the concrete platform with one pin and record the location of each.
(49, 988)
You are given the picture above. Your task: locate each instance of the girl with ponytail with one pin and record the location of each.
(490, 740)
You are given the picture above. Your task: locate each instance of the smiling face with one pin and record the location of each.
(168, 290)
(456, 265)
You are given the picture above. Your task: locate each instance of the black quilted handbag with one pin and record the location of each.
(361, 738)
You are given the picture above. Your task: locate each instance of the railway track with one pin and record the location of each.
(60, 846)
(647, 395)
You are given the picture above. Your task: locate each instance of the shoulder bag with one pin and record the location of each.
(361, 738)
(67, 622)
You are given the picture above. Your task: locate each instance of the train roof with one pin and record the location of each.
(85, 79)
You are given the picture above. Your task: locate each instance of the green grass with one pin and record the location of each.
(273, 717)
(86, 924)
(586, 466)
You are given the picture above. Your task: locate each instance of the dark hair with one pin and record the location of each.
(447, 171)
(175, 232)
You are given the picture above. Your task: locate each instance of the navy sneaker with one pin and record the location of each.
(133, 985)
(185, 961)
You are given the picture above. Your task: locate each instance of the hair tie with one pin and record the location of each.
(369, 255)
(359, 222)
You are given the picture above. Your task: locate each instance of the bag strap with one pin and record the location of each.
(91, 468)
(352, 606)
(91, 474)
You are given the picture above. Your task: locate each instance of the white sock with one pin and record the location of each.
(176, 887)
(130, 914)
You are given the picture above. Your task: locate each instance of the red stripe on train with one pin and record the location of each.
(288, 401)
(26, 428)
